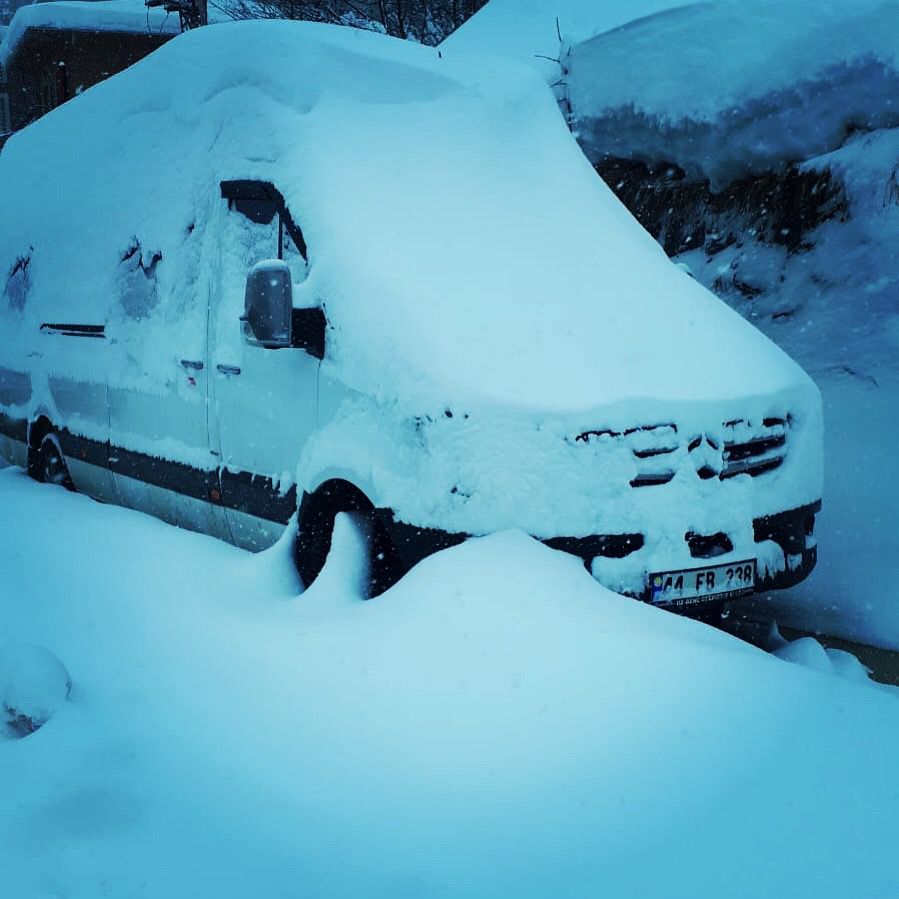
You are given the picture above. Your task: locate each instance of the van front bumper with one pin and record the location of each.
(792, 531)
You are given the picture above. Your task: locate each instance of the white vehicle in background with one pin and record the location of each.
(286, 268)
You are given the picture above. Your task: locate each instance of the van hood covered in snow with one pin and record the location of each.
(463, 248)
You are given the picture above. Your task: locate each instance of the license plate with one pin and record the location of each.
(696, 585)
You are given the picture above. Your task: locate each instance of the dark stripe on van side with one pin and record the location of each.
(242, 491)
(196, 483)
(257, 495)
(13, 428)
(74, 446)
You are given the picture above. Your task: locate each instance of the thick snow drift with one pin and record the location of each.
(730, 87)
(452, 269)
(496, 725)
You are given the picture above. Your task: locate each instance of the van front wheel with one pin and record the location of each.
(315, 530)
(52, 468)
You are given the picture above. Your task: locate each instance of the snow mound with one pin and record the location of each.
(769, 82)
(809, 652)
(497, 724)
(34, 685)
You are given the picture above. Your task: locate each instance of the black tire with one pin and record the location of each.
(51, 463)
(315, 531)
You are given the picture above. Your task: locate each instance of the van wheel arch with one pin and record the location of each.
(46, 460)
(315, 527)
(39, 429)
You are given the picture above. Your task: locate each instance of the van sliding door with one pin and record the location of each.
(159, 449)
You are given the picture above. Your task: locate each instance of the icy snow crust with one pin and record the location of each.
(103, 15)
(488, 297)
(769, 82)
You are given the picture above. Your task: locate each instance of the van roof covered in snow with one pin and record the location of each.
(462, 246)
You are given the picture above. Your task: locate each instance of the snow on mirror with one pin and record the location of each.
(268, 305)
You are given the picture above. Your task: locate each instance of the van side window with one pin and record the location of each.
(275, 235)
(136, 280)
(260, 211)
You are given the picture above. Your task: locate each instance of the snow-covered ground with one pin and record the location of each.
(495, 725)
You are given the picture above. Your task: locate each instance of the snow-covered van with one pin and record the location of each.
(279, 269)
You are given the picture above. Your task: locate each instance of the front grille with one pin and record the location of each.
(748, 448)
(754, 451)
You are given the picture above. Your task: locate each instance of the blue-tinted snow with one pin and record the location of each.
(730, 87)
(495, 725)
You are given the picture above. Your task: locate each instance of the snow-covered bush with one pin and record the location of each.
(34, 685)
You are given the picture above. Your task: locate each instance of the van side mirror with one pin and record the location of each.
(268, 305)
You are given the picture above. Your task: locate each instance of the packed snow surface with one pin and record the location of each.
(452, 269)
(496, 725)
(768, 82)
(102, 15)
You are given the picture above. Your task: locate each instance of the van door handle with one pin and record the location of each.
(228, 369)
(192, 363)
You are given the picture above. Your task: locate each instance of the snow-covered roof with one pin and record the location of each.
(83, 15)
(462, 245)
(530, 30)
(728, 87)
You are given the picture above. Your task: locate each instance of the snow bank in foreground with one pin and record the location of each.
(495, 725)
(730, 87)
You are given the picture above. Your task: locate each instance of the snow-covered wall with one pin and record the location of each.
(727, 88)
